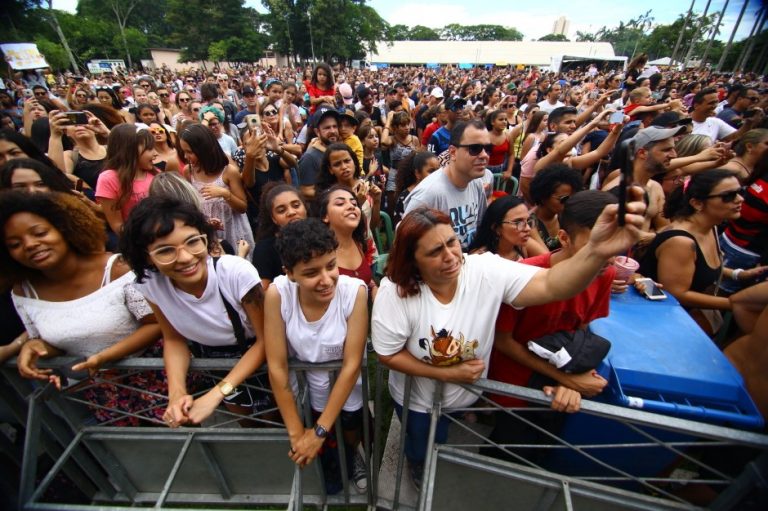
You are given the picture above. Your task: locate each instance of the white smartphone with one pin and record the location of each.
(651, 291)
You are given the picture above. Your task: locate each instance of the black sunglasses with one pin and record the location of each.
(728, 196)
(476, 149)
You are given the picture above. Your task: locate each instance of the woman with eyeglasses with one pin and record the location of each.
(167, 242)
(78, 96)
(550, 188)
(686, 256)
(506, 231)
(76, 299)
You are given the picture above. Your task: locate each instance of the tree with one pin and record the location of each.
(585, 37)
(399, 33)
(456, 32)
(554, 37)
(422, 33)
(54, 54)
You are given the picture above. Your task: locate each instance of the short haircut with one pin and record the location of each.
(457, 133)
(81, 229)
(208, 92)
(583, 208)
(303, 240)
(153, 218)
(548, 179)
(556, 115)
(699, 97)
(638, 93)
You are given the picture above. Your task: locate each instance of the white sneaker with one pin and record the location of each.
(359, 473)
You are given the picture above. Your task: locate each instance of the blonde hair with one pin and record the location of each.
(692, 144)
(638, 93)
(172, 185)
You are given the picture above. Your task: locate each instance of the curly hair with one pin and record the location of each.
(153, 218)
(548, 179)
(321, 210)
(300, 241)
(325, 178)
(81, 229)
(267, 227)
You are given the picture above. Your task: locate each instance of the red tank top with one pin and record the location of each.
(499, 153)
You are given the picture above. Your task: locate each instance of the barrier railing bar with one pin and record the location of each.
(308, 421)
(425, 497)
(553, 481)
(56, 467)
(341, 445)
(213, 466)
(636, 416)
(367, 458)
(113, 467)
(29, 456)
(755, 471)
(567, 496)
(174, 470)
(678, 452)
(576, 448)
(403, 426)
(377, 430)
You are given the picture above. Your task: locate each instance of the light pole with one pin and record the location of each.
(311, 40)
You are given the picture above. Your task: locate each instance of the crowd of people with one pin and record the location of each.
(232, 215)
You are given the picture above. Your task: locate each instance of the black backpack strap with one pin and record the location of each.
(234, 317)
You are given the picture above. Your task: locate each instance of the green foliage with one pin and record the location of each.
(456, 32)
(53, 52)
(554, 37)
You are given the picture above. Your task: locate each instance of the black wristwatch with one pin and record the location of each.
(320, 431)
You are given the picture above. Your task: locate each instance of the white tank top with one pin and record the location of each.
(321, 340)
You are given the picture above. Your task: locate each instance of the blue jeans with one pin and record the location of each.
(736, 257)
(417, 433)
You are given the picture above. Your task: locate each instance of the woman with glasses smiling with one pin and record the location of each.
(166, 242)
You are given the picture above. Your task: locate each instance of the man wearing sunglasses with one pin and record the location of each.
(742, 107)
(457, 188)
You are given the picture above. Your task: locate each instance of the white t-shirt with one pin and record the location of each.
(446, 334)
(205, 320)
(227, 144)
(322, 340)
(716, 129)
(546, 106)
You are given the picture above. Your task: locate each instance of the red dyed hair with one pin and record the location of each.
(401, 264)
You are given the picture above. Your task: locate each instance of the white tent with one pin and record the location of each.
(529, 53)
(664, 61)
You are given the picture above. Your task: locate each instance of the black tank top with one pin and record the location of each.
(704, 276)
(88, 170)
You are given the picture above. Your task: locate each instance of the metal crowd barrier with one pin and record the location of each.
(600, 472)
(215, 465)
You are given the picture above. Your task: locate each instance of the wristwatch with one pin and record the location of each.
(320, 431)
(225, 387)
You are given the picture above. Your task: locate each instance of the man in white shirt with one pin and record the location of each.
(705, 122)
(552, 99)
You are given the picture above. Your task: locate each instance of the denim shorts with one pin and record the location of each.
(736, 257)
(248, 395)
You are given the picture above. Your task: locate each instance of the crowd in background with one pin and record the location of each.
(502, 184)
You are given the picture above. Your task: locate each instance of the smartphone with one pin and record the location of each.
(594, 94)
(79, 185)
(616, 117)
(651, 291)
(624, 180)
(76, 117)
(253, 122)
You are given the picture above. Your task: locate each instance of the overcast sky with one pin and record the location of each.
(536, 19)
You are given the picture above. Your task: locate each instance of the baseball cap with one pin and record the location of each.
(346, 93)
(670, 120)
(437, 92)
(455, 103)
(349, 115)
(248, 91)
(363, 91)
(322, 112)
(654, 134)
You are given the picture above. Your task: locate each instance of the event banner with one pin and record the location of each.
(23, 56)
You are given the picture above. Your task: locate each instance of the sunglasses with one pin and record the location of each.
(195, 109)
(184, 100)
(476, 149)
(269, 113)
(156, 131)
(563, 199)
(728, 196)
(190, 81)
(163, 95)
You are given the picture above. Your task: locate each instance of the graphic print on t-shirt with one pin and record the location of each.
(446, 350)
(464, 220)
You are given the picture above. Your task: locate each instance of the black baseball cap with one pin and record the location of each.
(248, 91)
(321, 113)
